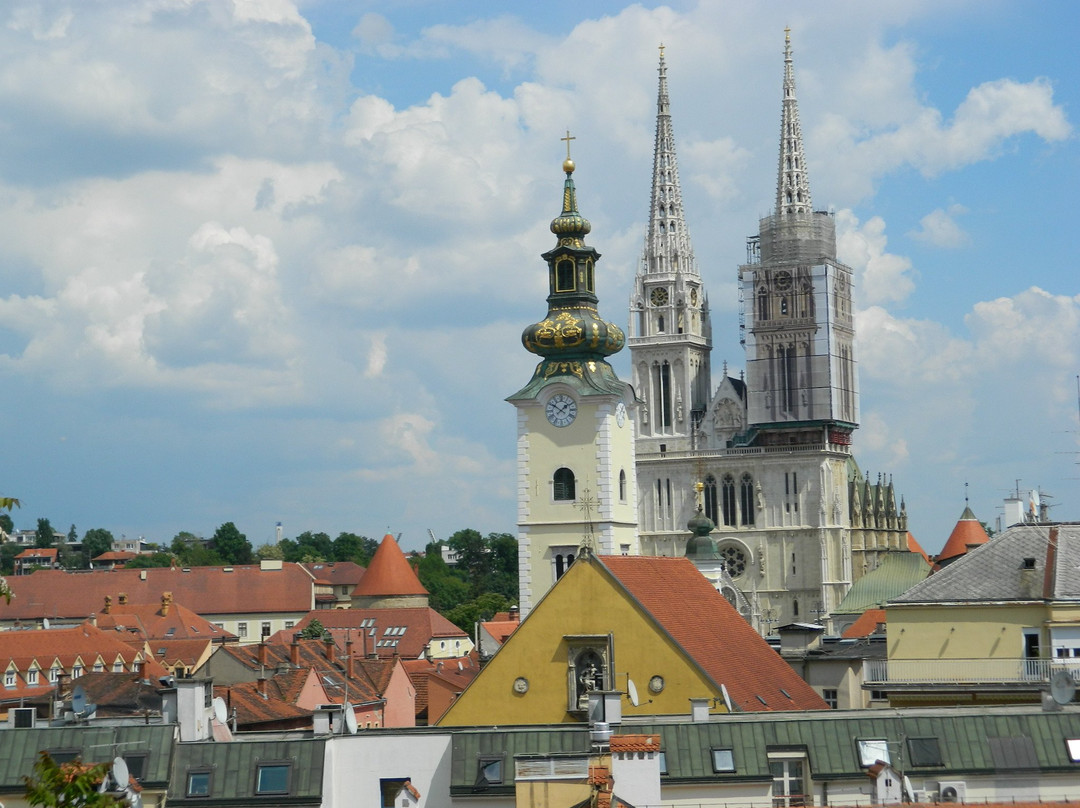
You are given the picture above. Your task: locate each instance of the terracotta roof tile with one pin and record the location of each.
(711, 632)
(214, 590)
(412, 629)
(389, 573)
(635, 743)
(866, 624)
(335, 572)
(967, 533)
(914, 547)
(253, 708)
(146, 620)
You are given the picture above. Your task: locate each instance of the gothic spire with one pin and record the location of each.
(667, 241)
(793, 186)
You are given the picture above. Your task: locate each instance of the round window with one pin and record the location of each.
(734, 560)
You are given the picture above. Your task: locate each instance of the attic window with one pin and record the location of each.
(873, 750)
(273, 778)
(924, 752)
(136, 762)
(1029, 564)
(1073, 745)
(489, 771)
(170, 632)
(198, 783)
(723, 760)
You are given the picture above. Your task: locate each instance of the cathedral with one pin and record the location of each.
(753, 478)
(760, 465)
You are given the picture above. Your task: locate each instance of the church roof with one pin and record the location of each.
(914, 547)
(729, 651)
(389, 573)
(896, 574)
(967, 533)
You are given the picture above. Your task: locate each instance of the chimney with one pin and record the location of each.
(349, 665)
(108, 605)
(294, 651)
(166, 602)
(260, 685)
(262, 653)
(330, 655)
(123, 598)
(515, 614)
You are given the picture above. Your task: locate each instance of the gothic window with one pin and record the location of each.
(660, 324)
(664, 415)
(563, 486)
(622, 486)
(746, 500)
(763, 304)
(728, 499)
(710, 499)
(564, 276)
(795, 607)
(734, 559)
(783, 305)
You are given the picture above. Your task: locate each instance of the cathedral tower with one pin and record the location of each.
(670, 332)
(576, 478)
(802, 386)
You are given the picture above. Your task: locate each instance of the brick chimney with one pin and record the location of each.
(123, 598)
(260, 685)
(294, 651)
(166, 602)
(262, 653)
(108, 605)
(349, 665)
(330, 650)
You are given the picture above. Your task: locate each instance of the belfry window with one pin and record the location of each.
(763, 304)
(590, 276)
(564, 276)
(622, 486)
(746, 500)
(563, 486)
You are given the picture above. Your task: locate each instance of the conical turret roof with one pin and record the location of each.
(389, 573)
(967, 533)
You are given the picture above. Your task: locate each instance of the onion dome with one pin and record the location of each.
(701, 546)
(573, 339)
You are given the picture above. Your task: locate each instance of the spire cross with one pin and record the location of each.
(567, 139)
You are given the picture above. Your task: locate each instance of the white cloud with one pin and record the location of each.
(881, 277)
(940, 228)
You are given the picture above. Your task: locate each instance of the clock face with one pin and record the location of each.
(620, 414)
(659, 296)
(783, 280)
(561, 410)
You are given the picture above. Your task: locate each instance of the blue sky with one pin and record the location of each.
(267, 261)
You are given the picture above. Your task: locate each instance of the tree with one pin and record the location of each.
(8, 551)
(152, 560)
(504, 564)
(472, 558)
(43, 536)
(191, 551)
(232, 545)
(96, 540)
(313, 630)
(68, 785)
(484, 607)
(351, 547)
(270, 551)
(315, 546)
(6, 524)
(445, 586)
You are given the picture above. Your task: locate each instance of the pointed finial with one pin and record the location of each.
(965, 492)
(661, 50)
(568, 164)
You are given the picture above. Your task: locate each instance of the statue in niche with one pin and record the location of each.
(759, 495)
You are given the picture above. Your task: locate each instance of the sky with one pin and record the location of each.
(270, 260)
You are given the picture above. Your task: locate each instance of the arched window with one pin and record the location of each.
(728, 500)
(660, 324)
(590, 276)
(563, 486)
(763, 304)
(746, 499)
(710, 499)
(622, 486)
(564, 276)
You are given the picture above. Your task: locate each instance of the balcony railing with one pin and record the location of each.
(908, 673)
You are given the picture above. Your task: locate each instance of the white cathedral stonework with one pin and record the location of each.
(771, 452)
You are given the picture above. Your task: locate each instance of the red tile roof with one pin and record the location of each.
(914, 547)
(389, 573)
(38, 552)
(412, 628)
(147, 621)
(213, 590)
(635, 743)
(700, 620)
(115, 555)
(967, 533)
(253, 708)
(335, 572)
(866, 624)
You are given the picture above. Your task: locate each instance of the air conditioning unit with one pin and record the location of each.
(952, 791)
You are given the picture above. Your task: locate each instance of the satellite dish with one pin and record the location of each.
(78, 700)
(727, 698)
(632, 690)
(120, 773)
(350, 719)
(221, 712)
(1062, 687)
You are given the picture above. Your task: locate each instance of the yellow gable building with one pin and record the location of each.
(615, 620)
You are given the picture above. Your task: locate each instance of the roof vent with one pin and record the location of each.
(1029, 564)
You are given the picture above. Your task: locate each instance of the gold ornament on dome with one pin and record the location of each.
(557, 368)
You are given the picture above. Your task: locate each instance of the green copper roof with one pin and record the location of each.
(896, 574)
(233, 767)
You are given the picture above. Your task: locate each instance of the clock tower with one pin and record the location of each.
(575, 458)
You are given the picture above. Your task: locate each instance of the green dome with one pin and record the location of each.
(700, 546)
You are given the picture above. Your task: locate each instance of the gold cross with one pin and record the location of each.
(568, 139)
